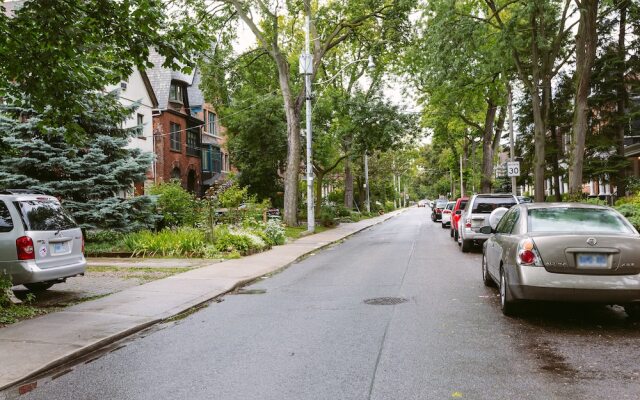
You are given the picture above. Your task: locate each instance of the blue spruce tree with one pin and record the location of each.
(86, 165)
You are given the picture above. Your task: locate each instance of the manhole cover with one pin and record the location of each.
(385, 301)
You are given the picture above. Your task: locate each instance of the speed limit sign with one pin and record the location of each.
(513, 168)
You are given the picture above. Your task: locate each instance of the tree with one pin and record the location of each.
(276, 26)
(462, 74)
(536, 33)
(586, 45)
(88, 175)
(56, 51)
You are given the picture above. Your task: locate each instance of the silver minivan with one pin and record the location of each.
(40, 243)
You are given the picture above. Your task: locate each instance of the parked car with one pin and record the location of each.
(40, 243)
(563, 252)
(436, 209)
(455, 216)
(524, 199)
(446, 214)
(422, 203)
(476, 215)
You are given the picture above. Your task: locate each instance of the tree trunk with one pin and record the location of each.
(621, 94)
(348, 184)
(319, 178)
(539, 128)
(359, 181)
(487, 147)
(292, 110)
(586, 44)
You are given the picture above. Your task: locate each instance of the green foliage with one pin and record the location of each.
(327, 216)
(389, 206)
(632, 212)
(233, 197)
(80, 46)
(243, 241)
(182, 242)
(177, 206)
(9, 312)
(274, 233)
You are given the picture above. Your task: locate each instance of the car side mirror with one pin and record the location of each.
(487, 230)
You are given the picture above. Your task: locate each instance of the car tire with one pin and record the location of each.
(433, 217)
(443, 225)
(451, 232)
(455, 235)
(465, 246)
(507, 303)
(486, 278)
(633, 311)
(38, 286)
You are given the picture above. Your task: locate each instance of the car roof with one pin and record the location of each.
(562, 205)
(26, 197)
(494, 195)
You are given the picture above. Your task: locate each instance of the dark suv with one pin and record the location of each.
(436, 212)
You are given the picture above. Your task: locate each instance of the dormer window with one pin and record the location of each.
(175, 93)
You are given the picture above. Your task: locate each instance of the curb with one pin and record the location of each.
(32, 380)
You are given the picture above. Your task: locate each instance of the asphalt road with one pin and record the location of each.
(310, 335)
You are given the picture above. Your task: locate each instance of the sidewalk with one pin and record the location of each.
(33, 346)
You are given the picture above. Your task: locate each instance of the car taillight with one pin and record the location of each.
(467, 223)
(528, 254)
(446, 212)
(82, 245)
(24, 245)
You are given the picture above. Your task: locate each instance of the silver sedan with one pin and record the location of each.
(563, 252)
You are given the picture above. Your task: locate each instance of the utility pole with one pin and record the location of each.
(306, 68)
(512, 149)
(366, 181)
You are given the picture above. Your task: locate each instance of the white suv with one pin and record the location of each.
(476, 215)
(40, 243)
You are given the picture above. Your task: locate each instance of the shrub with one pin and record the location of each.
(237, 240)
(342, 211)
(275, 233)
(389, 206)
(632, 212)
(106, 236)
(183, 242)
(177, 206)
(327, 216)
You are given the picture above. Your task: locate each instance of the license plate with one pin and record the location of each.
(59, 248)
(592, 261)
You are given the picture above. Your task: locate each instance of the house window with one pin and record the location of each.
(211, 123)
(206, 158)
(216, 160)
(140, 126)
(193, 142)
(175, 130)
(175, 93)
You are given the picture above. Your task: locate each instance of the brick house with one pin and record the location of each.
(214, 155)
(176, 128)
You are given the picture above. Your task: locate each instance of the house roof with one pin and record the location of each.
(160, 79)
(196, 98)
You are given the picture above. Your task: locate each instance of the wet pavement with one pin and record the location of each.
(395, 312)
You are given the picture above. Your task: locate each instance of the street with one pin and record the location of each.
(307, 333)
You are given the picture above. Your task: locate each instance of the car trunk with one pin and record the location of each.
(56, 248)
(596, 254)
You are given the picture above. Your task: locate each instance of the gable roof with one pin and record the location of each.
(160, 79)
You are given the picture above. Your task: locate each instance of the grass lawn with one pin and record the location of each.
(294, 232)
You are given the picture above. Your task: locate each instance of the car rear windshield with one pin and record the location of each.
(463, 204)
(576, 220)
(485, 205)
(45, 215)
(441, 204)
(450, 206)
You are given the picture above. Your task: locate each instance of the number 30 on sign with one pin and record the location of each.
(513, 168)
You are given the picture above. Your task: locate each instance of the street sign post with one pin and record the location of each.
(513, 168)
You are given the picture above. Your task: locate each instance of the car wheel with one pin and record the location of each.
(38, 286)
(507, 303)
(442, 225)
(433, 218)
(451, 232)
(486, 278)
(455, 236)
(633, 311)
(465, 246)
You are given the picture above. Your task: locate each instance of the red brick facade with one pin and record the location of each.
(174, 164)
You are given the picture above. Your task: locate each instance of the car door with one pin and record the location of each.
(500, 240)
